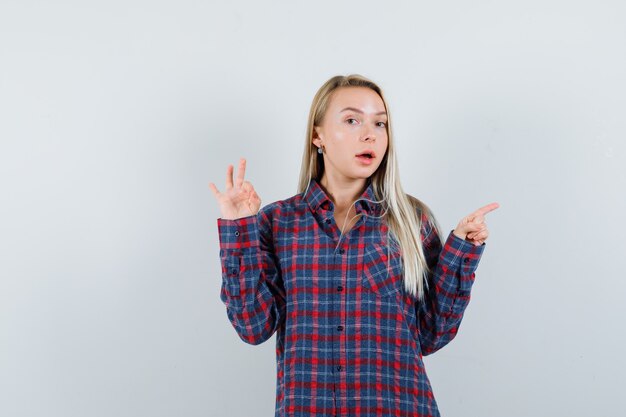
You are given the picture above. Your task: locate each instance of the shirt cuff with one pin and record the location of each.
(239, 233)
(461, 255)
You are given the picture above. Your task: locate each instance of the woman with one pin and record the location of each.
(350, 273)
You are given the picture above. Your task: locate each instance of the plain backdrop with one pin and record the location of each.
(115, 116)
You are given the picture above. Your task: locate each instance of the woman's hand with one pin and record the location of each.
(238, 200)
(473, 227)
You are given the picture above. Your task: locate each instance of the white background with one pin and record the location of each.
(115, 115)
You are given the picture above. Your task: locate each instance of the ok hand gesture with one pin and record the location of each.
(473, 227)
(239, 199)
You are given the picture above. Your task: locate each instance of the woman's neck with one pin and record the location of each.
(342, 192)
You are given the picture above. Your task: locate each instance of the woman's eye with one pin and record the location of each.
(380, 123)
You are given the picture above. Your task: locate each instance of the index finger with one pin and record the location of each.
(486, 209)
(241, 172)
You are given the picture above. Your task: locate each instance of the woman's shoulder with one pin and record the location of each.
(424, 212)
(284, 208)
(426, 216)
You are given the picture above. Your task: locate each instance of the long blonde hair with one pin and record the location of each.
(402, 212)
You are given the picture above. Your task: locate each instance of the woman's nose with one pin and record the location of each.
(368, 134)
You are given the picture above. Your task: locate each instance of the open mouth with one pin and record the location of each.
(366, 155)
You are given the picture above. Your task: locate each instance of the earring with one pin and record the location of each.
(319, 150)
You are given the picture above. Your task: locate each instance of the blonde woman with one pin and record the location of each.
(351, 273)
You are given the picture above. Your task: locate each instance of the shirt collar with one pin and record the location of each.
(317, 199)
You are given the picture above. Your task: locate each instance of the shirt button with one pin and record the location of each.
(341, 251)
(339, 367)
(339, 288)
(340, 328)
(327, 221)
(466, 260)
(236, 232)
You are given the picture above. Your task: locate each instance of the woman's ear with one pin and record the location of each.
(317, 132)
(317, 141)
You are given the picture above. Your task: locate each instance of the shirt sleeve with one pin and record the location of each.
(252, 288)
(453, 266)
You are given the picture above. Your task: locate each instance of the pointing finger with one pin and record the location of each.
(485, 209)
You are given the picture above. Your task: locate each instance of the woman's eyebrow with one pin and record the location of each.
(359, 111)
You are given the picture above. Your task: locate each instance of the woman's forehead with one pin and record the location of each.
(357, 99)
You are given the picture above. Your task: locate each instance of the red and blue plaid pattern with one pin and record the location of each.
(349, 339)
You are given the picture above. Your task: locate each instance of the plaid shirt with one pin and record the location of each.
(349, 339)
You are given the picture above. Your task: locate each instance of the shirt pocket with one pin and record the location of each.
(382, 271)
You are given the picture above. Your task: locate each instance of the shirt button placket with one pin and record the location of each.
(339, 258)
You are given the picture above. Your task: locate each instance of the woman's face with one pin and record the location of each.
(354, 123)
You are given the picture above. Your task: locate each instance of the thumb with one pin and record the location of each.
(255, 196)
(469, 227)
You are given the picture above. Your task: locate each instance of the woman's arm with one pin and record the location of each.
(452, 274)
(252, 287)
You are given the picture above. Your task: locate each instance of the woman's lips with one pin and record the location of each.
(364, 160)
